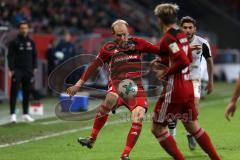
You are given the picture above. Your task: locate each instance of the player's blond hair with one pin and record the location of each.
(118, 21)
(167, 12)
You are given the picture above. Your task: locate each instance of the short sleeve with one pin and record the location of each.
(206, 51)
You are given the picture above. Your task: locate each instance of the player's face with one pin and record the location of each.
(189, 29)
(121, 33)
(23, 29)
(67, 37)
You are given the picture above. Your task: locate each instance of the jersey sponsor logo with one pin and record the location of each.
(174, 47)
(125, 58)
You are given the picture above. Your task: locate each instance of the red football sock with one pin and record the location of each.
(133, 135)
(205, 142)
(99, 121)
(170, 146)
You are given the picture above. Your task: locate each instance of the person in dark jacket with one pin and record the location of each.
(22, 62)
(64, 50)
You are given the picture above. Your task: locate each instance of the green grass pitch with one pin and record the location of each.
(53, 139)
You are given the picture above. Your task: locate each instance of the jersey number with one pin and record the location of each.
(185, 49)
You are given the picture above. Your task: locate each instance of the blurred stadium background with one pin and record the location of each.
(88, 22)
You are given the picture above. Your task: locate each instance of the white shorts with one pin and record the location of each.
(196, 88)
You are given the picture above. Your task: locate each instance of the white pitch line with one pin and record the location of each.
(76, 130)
(52, 122)
(55, 134)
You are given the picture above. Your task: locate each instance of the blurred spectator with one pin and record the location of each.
(46, 16)
(65, 49)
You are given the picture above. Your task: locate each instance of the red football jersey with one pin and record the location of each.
(123, 61)
(176, 54)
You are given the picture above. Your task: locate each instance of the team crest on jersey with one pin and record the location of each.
(174, 47)
(116, 51)
(28, 44)
(183, 40)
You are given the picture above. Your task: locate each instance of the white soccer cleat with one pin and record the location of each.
(13, 118)
(27, 118)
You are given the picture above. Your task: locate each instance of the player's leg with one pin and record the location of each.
(163, 112)
(102, 116)
(16, 80)
(191, 140)
(133, 134)
(202, 138)
(172, 128)
(166, 140)
(197, 91)
(100, 119)
(26, 85)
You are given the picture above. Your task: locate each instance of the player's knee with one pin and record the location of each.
(111, 100)
(110, 103)
(156, 131)
(138, 119)
(138, 114)
(192, 127)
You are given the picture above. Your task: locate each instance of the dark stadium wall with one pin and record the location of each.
(214, 19)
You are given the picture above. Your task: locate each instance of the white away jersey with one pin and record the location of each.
(205, 51)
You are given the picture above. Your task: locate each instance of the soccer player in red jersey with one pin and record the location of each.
(124, 59)
(177, 101)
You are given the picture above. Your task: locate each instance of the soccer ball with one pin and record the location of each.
(127, 88)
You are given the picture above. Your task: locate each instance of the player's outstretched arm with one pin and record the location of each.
(90, 71)
(231, 108)
(147, 47)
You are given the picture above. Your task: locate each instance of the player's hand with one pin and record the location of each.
(230, 110)
(155, 64)
(159, 68)
(73, 90)
(196, 47)
(160, 74)
(209, 87)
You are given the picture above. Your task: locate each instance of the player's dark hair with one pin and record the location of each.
(188, 19)
(21, 23)
(167, 12)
